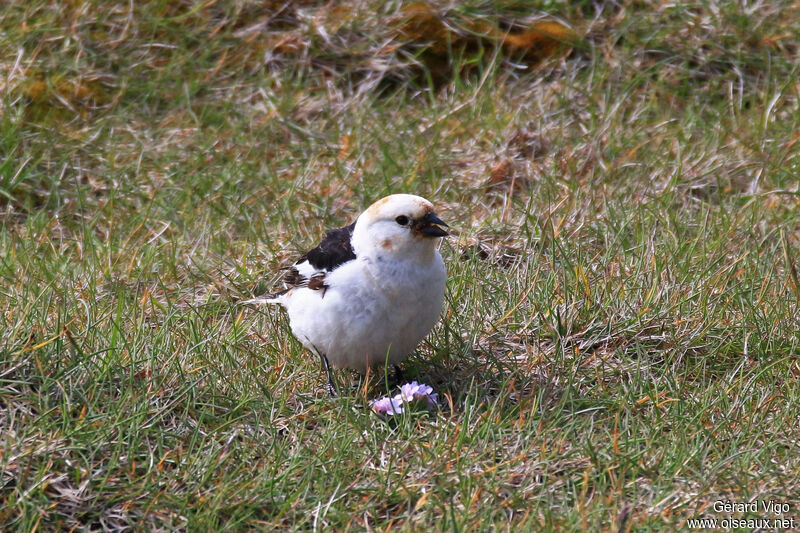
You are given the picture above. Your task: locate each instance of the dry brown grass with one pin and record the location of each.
(620, 345)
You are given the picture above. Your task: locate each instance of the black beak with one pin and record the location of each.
(429, 226)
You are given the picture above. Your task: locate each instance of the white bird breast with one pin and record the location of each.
(372, 311)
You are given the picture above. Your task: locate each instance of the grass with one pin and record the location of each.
(619, 348)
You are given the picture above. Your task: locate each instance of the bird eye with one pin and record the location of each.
(402, 220)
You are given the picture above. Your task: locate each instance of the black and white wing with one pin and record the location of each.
(310, 270)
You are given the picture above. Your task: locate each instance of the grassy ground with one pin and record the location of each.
(621, 340)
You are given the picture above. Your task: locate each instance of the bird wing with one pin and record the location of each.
(310, 270)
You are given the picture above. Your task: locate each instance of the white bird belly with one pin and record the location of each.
(370, 313)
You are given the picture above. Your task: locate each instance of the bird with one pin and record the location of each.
(370, 291)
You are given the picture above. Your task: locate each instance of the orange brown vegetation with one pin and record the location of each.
(57, 93)
(419, 23)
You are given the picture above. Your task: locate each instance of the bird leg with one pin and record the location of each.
(330, 386)
(399, 375)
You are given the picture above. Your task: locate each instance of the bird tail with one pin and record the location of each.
(272, 298)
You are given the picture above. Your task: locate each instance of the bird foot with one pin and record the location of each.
(330, 386)
(399, 375)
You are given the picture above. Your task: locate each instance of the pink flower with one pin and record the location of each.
(387, 406)
(417, 391)
(410, 392)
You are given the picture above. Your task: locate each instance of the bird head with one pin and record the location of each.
(399, 225)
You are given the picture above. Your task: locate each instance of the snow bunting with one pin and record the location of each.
(371, 291)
